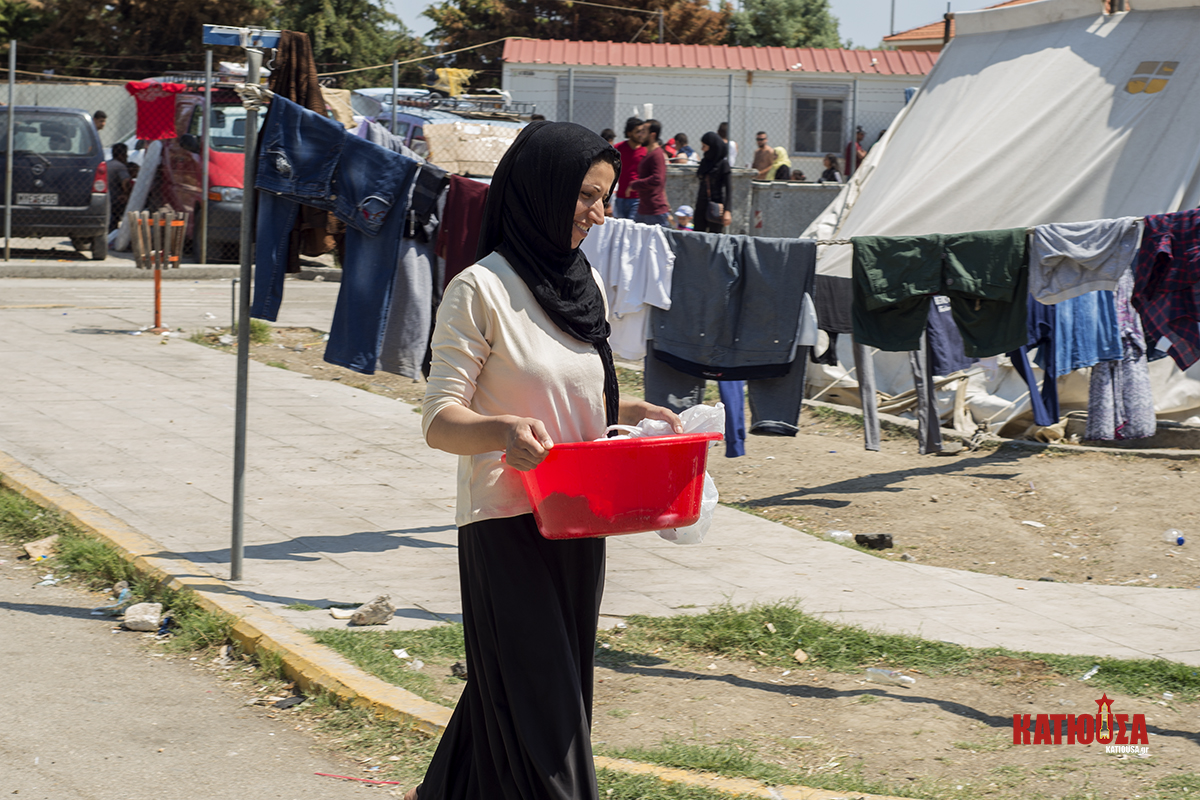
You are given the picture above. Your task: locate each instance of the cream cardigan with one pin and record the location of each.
(496, 352)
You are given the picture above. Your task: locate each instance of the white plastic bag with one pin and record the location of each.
(694, 534)
(697, 419)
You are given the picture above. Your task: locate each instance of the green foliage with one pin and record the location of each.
(622, 786)
(743, 633)
(347, 34)
(785, 23)
(1177, 787)
(372, 651)
(22, 520)
(19, 20)
(132, 38)
(260, 331)
(465, 23)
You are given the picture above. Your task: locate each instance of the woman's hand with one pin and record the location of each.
(528, 443)
(726, 218)
(634, 411)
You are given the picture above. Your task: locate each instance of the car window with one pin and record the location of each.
(227, 127)
(49, 134)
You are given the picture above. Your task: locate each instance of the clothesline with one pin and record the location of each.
(1028, 232)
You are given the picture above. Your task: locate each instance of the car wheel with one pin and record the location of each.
(100, 247)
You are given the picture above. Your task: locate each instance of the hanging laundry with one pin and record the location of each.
(740, 305)
(375, 133)
(1166, 274)
(1120, 400)
(733, 397)
(832, 295)
(1043, 400)
(945, 342)
(929, 426)
(294, 77)
(1074, 258)
(155, 108)
(1085, 333)
(774, 402)
(294, 72)
(983, 273)
(308, 158)
(635, 263)
(459, 232)
(432, 182)
(410, 311)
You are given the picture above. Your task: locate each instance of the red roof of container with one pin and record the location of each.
(708, 56)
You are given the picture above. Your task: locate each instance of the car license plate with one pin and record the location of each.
(43, 199)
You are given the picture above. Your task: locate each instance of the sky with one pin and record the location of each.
(863, 22)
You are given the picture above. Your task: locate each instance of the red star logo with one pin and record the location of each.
(1104, 701)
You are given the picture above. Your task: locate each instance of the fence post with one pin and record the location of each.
(853, 133)
(200, 237)
(729, 110)
(570, 94)
(395, 92)
(237, 548)
(8, 155)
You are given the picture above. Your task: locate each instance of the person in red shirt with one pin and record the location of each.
(651, 183)
(625, 203)
(855, 152)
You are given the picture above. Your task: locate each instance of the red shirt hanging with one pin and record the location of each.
(156, 108)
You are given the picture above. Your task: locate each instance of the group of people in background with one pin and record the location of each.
(641, 186)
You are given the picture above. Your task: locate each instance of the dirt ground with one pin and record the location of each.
(1100, 519)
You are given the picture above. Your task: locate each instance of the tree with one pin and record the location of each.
(132, 38)
(347, 34)
(467, 23)
(20, 20)
(785, 23)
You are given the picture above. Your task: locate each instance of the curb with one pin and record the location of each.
(313, 666)
(124, 271)
(310, 664)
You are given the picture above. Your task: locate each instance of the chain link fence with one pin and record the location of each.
(809, 121)
(57, 138)
(78, 164)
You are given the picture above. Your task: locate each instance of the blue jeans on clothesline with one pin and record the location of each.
(308, 159)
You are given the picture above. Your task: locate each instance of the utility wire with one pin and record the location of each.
(421, 58)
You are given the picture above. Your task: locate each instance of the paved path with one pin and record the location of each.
(344, 501)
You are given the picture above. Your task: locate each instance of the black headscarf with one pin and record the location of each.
(714, 156)
(528, 219)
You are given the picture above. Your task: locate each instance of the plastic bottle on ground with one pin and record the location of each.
(879, 675)
(1173, 536)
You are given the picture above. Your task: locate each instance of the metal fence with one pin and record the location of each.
(74, 163)
(809, 122)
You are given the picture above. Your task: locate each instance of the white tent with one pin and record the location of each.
(1045, 112)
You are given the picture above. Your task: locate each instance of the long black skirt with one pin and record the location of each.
(522, 729)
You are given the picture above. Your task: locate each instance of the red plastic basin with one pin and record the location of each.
(619, 485)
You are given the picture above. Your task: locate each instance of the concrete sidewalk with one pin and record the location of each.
(344, 500)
